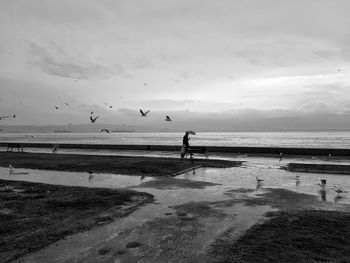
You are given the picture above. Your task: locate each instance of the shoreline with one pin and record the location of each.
(274, 151)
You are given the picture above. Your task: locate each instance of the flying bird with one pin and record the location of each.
(93, 120)
(91, 112)
(104, 130)
(56, 107)
(111, 107)
(7, 116)
(144, 114)
(167, 118)
(66, 103)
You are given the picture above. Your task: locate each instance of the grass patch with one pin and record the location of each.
(129, 165)
(34, 215)
(293, 236)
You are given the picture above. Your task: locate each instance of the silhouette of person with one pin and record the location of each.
(186, 145)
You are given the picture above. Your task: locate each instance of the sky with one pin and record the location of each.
(217, 65)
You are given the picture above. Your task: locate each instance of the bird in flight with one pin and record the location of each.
(144, 114)
(93, 120)
(56, 107)
(104, 130)
(167, 118)
(7, 116)
(66, 103)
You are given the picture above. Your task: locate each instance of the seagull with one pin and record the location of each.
(281, 155)
(142, 177)
(91, 112)
(90, 175)
(322, 181)
(258, 180)
(144, 114)
(167, 118)
(338, 190)
(106, 130)
(66, 103)
(110, 106)
(93, 120)
(11, 168)
(56, 107)
(14, 116)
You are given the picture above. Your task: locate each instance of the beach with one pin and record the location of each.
(190, 209)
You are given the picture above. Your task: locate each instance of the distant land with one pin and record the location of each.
(92, 128)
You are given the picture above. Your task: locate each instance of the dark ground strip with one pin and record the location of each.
(295, 236)
(34, 215)
(148, 166)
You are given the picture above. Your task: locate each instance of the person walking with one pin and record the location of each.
(186, 146)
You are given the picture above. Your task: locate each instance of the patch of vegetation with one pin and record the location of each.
(129, 165)
(34, 215)
(301, 236)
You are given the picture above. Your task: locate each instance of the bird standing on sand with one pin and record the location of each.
(93, 120)
(167, 118)
(338, 190)
(11, 168)
(322, 182)
(144, 114)
(258, 180)
(281, 156)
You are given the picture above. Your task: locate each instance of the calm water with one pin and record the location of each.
(263, 139)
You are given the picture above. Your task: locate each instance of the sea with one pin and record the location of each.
(331, 139)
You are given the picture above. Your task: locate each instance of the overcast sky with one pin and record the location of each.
(198, 61)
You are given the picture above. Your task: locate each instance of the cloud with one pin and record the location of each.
(59, 63)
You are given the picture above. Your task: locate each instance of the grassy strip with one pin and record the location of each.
(34, 215)
(293, 236)
(318, 168)
(149, 166)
